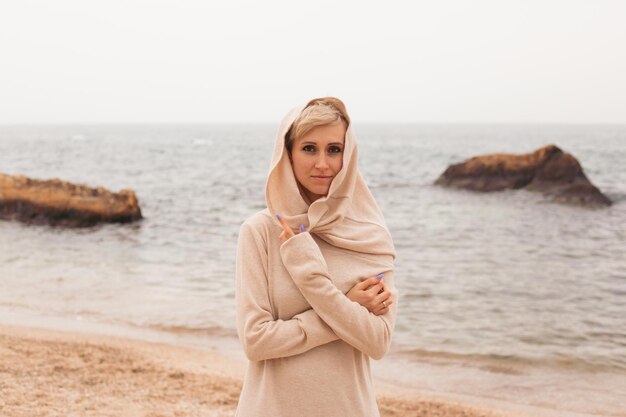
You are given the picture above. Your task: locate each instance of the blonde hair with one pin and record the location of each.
(318, 112)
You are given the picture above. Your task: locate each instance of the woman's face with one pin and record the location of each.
(317, 157)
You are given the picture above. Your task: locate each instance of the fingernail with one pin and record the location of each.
(379, 276)
(302, 228)
(278, 216)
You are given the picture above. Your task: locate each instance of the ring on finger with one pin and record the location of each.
(385, 304)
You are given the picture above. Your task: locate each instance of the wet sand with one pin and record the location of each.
(53, 373)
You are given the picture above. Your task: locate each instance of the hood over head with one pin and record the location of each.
(348, 217)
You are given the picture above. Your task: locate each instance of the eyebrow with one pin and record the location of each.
(315, 143)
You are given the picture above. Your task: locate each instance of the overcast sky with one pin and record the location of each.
(80, 61)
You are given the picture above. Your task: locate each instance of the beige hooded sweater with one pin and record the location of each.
(308, 344)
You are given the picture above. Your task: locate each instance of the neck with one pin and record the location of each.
(308, 195)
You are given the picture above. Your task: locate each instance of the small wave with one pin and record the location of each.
(13, 259)
(207, 330)
(202, 142)
(512, 364)
(616, 197)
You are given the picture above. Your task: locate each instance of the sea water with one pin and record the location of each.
(507, 282)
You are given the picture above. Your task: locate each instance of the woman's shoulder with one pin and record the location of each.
(260, 221)
(258, 228)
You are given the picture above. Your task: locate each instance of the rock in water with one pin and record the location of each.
(59, 203)
(548, 170)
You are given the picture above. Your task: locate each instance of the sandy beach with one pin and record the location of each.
(60, 373)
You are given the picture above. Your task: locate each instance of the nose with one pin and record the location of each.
(321, 162)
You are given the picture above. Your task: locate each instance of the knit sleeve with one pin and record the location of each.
(262, 336)
(353, 323)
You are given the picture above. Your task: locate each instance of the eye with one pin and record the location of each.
(334, 149)
(309, 148)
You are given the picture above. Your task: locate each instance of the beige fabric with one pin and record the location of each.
(348, 217)
(308, 344)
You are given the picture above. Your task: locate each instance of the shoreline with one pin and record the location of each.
(58, 353)
(47, 372)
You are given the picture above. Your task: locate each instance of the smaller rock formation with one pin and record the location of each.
(58, 203)
(548, 170)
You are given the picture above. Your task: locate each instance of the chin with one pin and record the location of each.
(317, 191)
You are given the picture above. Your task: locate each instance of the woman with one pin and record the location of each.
(312, 305)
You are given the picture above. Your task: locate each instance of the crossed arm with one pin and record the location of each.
(333, 316)
(263, 337)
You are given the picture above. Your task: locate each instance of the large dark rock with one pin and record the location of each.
(548, 170)
(58, 203)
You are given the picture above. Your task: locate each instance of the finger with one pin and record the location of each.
(374, 280)
(366, 283)
(363, 284)
(285, 225)
(379, 277)
(385, 296)
(381, 310)
(385, 304)
(376, 288)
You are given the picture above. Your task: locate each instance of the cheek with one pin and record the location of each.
(299, 165)
(339, 164)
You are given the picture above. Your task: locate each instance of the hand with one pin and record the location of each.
(371, 293)
(287, 232)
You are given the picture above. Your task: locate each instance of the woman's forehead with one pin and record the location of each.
(327, 134)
